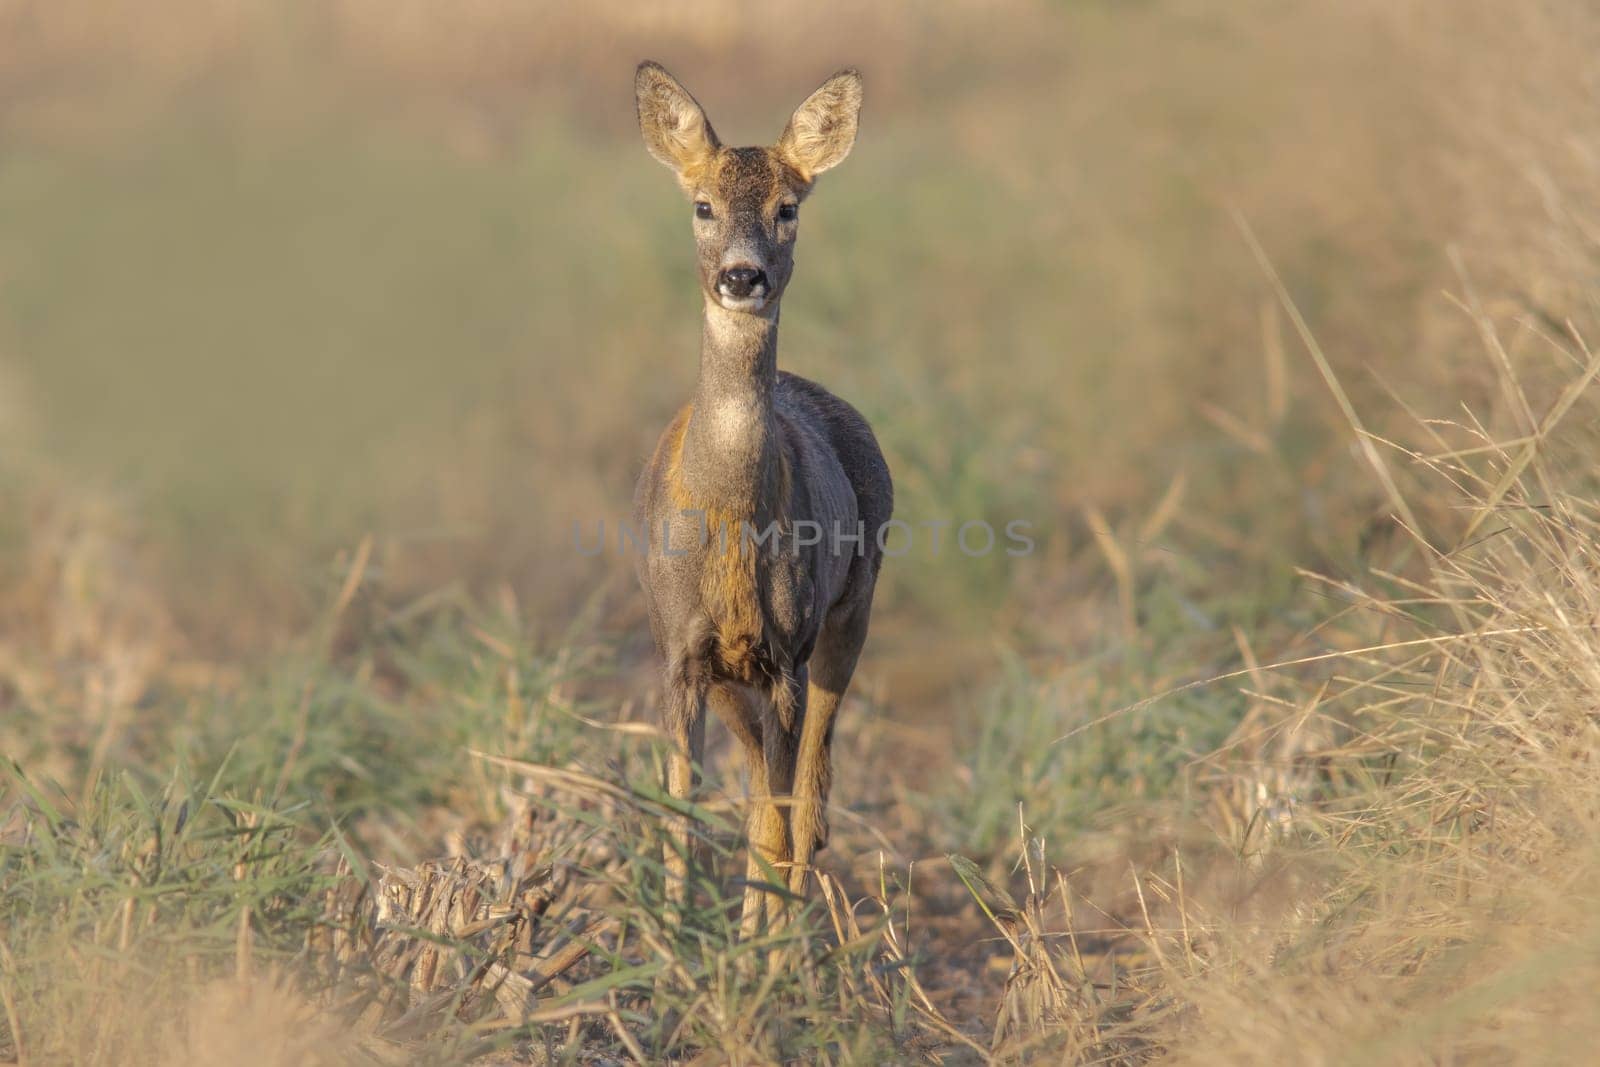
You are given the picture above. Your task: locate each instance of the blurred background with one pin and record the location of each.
(275, 277)
(278, 277)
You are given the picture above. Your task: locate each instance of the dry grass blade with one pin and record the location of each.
(1050, 1006)
(1324, 368)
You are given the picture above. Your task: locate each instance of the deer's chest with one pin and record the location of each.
(757, 595)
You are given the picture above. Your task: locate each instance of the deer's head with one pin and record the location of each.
(746, 200)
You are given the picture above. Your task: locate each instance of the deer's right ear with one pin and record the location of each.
(675, 128)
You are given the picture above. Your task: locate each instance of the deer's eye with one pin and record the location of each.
(788, 212)
(702, 209)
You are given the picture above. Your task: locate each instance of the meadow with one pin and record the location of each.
(323, 325)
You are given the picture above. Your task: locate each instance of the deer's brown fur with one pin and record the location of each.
(765, 630)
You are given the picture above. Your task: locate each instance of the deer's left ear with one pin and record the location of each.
(823, 128)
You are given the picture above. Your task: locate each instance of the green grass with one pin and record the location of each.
(137, 896)
(126, 902)
(1070, 750)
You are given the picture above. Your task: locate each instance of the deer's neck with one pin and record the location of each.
(731, 453)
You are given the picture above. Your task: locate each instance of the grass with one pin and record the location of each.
(1395, 836)
(317, 334)
(202, 908)
(135, 897)
(1025, 760)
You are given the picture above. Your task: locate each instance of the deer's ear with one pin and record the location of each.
(675, 128)
(823, 128)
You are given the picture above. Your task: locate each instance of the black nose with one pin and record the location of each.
(741, 281)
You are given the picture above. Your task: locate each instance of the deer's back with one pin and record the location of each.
(850, 439)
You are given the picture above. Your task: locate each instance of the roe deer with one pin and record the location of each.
(749, 617)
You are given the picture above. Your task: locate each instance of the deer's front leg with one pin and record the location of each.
(770, 850)
(686, 726)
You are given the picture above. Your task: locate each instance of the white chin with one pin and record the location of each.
(742, 303)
